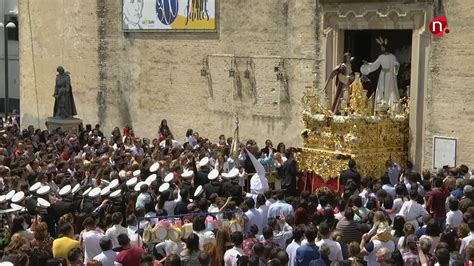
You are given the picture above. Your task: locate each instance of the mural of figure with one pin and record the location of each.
(132, 14)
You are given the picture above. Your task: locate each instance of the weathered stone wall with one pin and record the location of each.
(140, 78)
(449, 96)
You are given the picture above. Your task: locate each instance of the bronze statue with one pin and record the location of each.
(64, 106)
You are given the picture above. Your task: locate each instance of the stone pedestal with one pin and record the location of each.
(70, 125)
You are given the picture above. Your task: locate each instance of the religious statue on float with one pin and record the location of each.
(387, 88)
(344, 78)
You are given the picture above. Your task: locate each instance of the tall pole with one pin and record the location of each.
(5, 58)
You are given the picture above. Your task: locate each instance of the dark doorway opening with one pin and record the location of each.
(363, 46)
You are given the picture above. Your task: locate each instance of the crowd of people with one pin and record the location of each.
(89, 199)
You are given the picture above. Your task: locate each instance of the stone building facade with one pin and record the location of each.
(276, 50)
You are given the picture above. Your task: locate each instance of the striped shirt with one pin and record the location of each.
(349, 230)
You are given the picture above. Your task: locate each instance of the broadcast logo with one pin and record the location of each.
(439, 26)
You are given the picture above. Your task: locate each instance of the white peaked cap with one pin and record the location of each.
(203, 162)
(95, 192)
(19, 196)
(76, 188)
(35, 186)
(164, 187)
(169, 177)
(136, 173)
(115, 194)
(43, 203)
(43, 190)
(114, 183)
(187, 174)
(213, 174)
(198, 191)
(65, 190)
(131, 182)
(154, 167)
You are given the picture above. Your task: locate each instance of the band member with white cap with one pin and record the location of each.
(214, 186)
(201, 172)
(231, 187)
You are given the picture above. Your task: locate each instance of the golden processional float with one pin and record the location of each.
(366, 134)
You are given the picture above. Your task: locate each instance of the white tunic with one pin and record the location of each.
(387, 88)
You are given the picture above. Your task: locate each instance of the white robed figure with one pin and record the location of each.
(387, 88)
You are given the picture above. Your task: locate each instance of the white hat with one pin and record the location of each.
(136, 173)
(43, 203)
(154, 167)
(169, 177)
(16, 207)
(95, 192)
(115, 194)
(187, 174)
(35, 186)
(10, 195)
(6, 263)
(203, 162)
(19, 196)
(76, 188)
(114, 183)
(3, 199)
(105, 191)
(122, 173)
(213, 174)
(107, 182)
(233, 173)
(131, 182)
(86, 192)
(150, 179)
(65, 190)
(164, 187)
(43, 190)
(198, 191)
(139, 185)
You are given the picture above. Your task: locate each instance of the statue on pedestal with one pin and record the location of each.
(64, 106)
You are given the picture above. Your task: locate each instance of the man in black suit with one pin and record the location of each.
(287, 174)
(268, 147)
(350, 174)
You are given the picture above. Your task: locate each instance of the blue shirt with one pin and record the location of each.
(307, 253)
(457, 193)
(279, 208)
(142, 200)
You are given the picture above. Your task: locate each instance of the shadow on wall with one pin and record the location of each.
(172, 36)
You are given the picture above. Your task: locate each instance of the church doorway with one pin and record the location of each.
(363, 46)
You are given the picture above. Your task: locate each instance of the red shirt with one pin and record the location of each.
(436, 202)
(130, 257)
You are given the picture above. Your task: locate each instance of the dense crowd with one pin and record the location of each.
(91, 199)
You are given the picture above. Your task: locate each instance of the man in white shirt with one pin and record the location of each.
(144, 198)
(262, 209)
(90, 239)
(468, 239)
(231, 255)
(370, 249)
(107, 256)
(298, 236)
(335, 253)
(280, 207)
(132, 230)
(254, 216)
(412, 211)
(117, 229)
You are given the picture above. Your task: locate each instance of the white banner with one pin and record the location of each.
(169, 15)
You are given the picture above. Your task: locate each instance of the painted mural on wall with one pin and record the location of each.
(164, 15)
